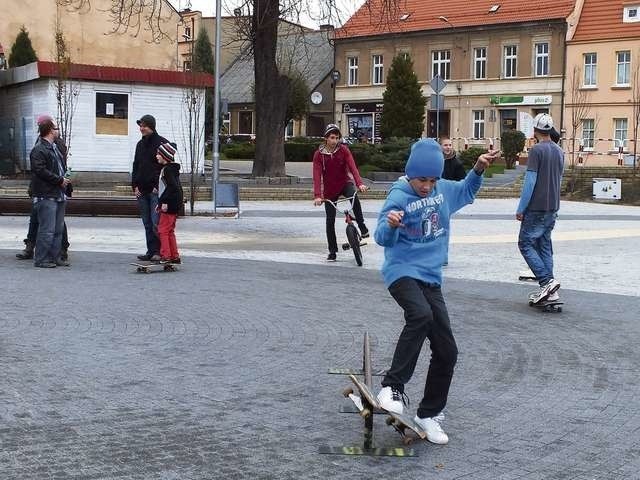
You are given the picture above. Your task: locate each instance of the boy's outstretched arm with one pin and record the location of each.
(389, 225)
(469, 187)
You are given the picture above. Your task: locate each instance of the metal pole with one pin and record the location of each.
(438, 116)
(216, 107)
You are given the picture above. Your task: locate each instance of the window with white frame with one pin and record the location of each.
(226, 123)
(542, 59)
(631, 14)
(510, 66)
(377, 70)
(620, 126)
(352, 67)
(441, 64)
(590, 68)
(478, 124)
(623, 68)
(588, 133)
(480, 63)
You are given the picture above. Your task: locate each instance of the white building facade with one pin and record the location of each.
(107, 103)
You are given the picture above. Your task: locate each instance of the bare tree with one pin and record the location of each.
(65, 88)
(193, 126)
(580, 108)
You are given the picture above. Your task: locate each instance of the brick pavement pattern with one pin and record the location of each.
(219, 371)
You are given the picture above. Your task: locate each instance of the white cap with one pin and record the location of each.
(543, 122)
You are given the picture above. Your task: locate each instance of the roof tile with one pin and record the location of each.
(602, 20)
(371, 18)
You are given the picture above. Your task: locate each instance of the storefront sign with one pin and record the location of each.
(362, 107)
(505, 100)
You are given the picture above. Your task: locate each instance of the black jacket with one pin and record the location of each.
(453, 168)
(46, 180)
(146, 168)
(170, 188)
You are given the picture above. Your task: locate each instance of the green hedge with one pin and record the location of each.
(470, 155)
(299, 152)
(239, 150)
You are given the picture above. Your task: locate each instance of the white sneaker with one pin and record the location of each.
(554, 297)
(549, 288)
(390, 398)
(431, 425)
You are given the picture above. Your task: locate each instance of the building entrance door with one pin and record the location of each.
(443, 123)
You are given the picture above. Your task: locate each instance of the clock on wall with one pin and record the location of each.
(316, 98)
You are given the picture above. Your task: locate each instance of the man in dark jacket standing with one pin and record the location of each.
(144, 182)
(48, 190)
(453, 167)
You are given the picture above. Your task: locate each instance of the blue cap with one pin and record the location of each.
(425, 160)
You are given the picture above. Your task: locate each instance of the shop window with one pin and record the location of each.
(112, 113)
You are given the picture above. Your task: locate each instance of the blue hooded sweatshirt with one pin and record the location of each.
(419, 249)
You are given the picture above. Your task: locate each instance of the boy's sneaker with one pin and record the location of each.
(391, 399)
(364, 233)
(175, 261)
(554, 297)
(547, 289)
(433, 429)
(165, 261)
(146, 257)
(155, 258)
(331, 257)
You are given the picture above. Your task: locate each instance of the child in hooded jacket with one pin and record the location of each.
(413, 228)
(334, 175)
(170, 199)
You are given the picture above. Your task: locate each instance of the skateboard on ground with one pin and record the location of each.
(554, 306)
(526, 275)
(399, 422)
(149, 267)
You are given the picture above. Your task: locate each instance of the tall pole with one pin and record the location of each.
(216, 107)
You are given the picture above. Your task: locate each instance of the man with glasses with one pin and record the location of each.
(49, 188)
(32, 233)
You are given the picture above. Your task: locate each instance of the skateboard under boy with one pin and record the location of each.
(525, 275)
(554, 306)
(151, 267)
(399, 422)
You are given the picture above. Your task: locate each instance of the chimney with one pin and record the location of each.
(326, 26)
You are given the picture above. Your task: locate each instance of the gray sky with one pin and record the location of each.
(208, 7)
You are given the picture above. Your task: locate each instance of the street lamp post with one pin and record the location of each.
(216, 107)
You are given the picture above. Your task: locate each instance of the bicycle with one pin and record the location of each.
(354, 239)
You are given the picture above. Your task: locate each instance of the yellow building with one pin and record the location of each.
(602, 88)
(502, 64)
(91, 35)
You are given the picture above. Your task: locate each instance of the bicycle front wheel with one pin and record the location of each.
(354, 242)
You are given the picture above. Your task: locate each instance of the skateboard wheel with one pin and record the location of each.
(365, 413)
(407, 441)
(346, 246)
(347, 391)
(559, 309)
(390, 421)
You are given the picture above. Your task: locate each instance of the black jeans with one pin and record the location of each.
(330, 210)
(426, 316)
(32, 234)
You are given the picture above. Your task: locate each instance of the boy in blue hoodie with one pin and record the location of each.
(413, 227)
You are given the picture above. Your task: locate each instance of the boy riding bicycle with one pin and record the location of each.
(334, 172)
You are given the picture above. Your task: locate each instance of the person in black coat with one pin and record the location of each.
(169, 201)
(453, 167)
(49, 188)
(144, 182)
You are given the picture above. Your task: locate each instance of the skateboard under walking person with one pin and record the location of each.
(538, 208)
(413, 228)
(334, 174)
